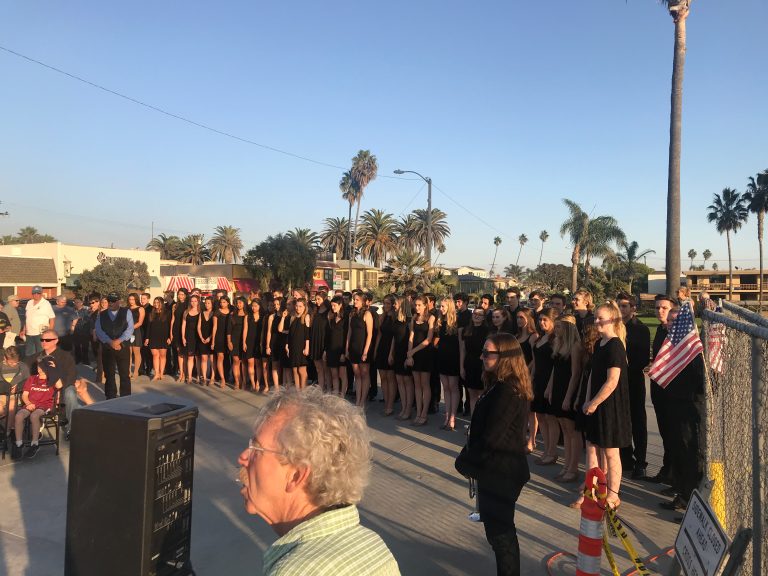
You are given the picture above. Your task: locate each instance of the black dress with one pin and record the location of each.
(400, 337)
(222, 327)
(386, 331)
(277, 338)
(236, 326)
(178, 313)
(581, 396)
(561, 377)
(542, 355)
(138, 339)
(422, 360)
(253, 339)
(448, 352)
(317, 335)
(298, 334)
(357, 337)
(158, 332)
(206, 329)
(193, 342)
(335, 342)
(473, 363)
(527, 349)
(611, 424)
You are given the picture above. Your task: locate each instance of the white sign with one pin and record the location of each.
(206, 283)
(701, 542)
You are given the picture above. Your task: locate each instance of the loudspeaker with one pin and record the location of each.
(129, 503)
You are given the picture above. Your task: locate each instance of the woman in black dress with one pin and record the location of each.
(448, 357)
(383, 357)
(317, 341)
(138, 313)
(399, 353)
(359, 346)
(541, 373)
(189, 324)
(221, 319)
(276, 342)
(177, 311)
(527, 333)
(563, 386)
(297, 347)
(158, 336)
(495, 451)
(235, 339)
(252, 345)
(583, 307)
(607, 402)
(471, 340)
(335, 346)
(419, 357)
(205, 340)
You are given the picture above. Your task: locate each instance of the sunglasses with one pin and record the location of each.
(48, 339)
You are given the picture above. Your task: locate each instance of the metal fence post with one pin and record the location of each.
(757, 452)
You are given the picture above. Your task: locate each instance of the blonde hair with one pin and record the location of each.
(618, 323)
(449, 320)
(588, 301)
(568, 339)
(402, 303)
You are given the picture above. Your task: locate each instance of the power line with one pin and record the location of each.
(179, 117)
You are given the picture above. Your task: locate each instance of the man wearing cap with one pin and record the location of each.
(40, 316)
(11, 310)
(114, 329)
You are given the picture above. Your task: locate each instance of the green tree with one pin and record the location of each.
(679, 10)
(406, 268)
(692, 254)
(707, 255)
(304, 235)
(226, 245)
(333, 237)
(543, 236)
(496, 243)
(349, 192)
(194, 250)
(522, 239)
(282, 261)
(550, 277)
(121, 275)
(756, 199)
(728, 212)
(629, 260)
(27, 235)
(377, 236)
(364, 170)
(440, 229)
(406, 230)
(168, 246)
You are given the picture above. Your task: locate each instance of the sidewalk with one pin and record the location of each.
(416, 501)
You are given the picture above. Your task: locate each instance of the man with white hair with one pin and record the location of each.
(303, 472)
(40, 317)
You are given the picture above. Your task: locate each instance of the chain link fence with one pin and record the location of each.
(736, 450)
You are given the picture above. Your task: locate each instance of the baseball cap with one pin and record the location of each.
(37, 290)
(12, 297)
(113, 297)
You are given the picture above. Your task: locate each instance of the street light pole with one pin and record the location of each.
(428, 247)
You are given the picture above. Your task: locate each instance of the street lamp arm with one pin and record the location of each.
(428, 247)
(426, 179)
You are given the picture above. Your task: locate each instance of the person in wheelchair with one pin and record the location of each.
(37, 399)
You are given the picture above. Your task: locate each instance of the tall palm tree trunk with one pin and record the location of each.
(357, 218)
(760, 222)
(349, 235)
(730, 267)
(675, 144)
(518, 254)
(541, 252)
(493, 264)
(575, 270)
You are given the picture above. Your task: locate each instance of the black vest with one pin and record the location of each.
(114, 328)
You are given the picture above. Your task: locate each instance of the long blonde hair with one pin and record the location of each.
(566, 337)
(618, 323)
(449, 320)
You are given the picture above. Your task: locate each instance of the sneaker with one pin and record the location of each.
(31, 451)
(474, 517)
(15, 452)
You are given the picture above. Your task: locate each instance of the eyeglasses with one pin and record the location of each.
(253, 445)
(487, 353)
(48, 339)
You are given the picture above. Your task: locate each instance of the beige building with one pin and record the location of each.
(363, 277)
(715, 282)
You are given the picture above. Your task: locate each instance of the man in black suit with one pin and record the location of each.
(114, 329)
(663, 304)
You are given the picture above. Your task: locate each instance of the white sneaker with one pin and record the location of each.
(474, 517)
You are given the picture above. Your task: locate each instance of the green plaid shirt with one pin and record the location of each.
(333, 544)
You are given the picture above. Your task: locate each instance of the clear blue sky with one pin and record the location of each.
(507, 106)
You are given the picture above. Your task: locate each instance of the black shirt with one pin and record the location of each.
(638, 344)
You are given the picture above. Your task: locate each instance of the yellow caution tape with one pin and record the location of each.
(609, 556)
(617, 528)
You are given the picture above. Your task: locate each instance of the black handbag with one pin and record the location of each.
(465, 465)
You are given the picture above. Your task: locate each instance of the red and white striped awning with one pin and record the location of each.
(177, 282)
(223, 283)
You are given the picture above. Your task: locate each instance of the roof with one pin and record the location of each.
(18, 270)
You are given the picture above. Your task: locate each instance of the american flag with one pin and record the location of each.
(716, 340)
(681, 345)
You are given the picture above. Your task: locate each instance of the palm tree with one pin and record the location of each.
(363, 172)
(406, 230)
(691, 254)
(756, 200)
(496, 242)
(440, 229)
(522, 239)
(377, 236)
(305, 236)
(514, 271)
(577, 228)
(406, 269)
(333, 238)
(707, 255)
(603, 231)
(349, 193)
(226, 244)
(728, 212)
(630, 257)
(28, 235)
(168, 246)
(194, 250)
(679, 10)
(543, 236)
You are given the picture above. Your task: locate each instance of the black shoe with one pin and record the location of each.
(670, 492)
(15, 452)
(31, 451)
(678, 503)
(660, 478)
(638, 472)
(677, 519)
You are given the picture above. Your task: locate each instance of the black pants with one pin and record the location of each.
(660, 402)
(434, 387)
(683, 424)
(81, 342)
(146, 360)
(122, 359)
(629, 455)
(497, 513)
(96, 349)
